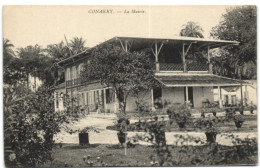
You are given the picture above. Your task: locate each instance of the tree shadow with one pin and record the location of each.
(81, 146)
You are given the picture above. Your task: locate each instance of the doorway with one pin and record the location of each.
(157, 98)
(190, 95)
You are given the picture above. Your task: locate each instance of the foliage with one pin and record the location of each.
(239, 118)
(181, 114)
(30, 124)
(125, 72)
(185, 153)
(238, 24)
(122, 122)
(77, 45)
(12, 66)
(89, 129)
(58, 51)
(192, 29)
(8, 52)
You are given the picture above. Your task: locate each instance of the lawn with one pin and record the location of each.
(71, 155)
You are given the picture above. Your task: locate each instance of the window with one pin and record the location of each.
(71, 73)
(67, 74)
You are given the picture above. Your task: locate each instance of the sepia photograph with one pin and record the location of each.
(130, 86)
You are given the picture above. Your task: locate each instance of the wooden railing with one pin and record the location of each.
(69, 83)
(77, 81)
(179, 67)
(73, 82)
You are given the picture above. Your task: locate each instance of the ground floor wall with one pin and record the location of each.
(178, 94)
(104, 99)
(145, 98)
(202, 94)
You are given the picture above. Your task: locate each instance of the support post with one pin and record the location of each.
(246, 95)
(126, 47)
(152, 98)
(241, 89)
(187, 95)
(105, 100)
(210, 65)
(219, 97)
(116, 104)
(156, 58)
(156, 52)
(125, 139)
(183, 59)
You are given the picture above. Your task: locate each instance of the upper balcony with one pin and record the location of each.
(73, 82)
(171, 67)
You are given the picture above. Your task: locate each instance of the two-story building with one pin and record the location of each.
(183, 77)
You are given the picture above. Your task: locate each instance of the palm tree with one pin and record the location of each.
(77, 45)
(192, 29)
(58, 51)
(8, 53)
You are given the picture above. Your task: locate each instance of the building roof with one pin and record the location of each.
(182, 80)
(200, 43)
(138, 43)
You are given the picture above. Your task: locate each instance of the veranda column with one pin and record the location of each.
(105, 100)
(116, 103)
(219, 97)
(183, 59)
(152, 98)
(187, 94)
(246, 95)
(210, 65)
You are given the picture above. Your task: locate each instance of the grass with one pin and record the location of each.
(112, 155)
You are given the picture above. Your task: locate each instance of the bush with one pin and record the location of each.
(181, 114)
(30, 124)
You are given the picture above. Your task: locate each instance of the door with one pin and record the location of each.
(157, 98)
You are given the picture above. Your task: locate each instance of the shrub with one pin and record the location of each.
(181, 114)
(30, 124)
(239, 119)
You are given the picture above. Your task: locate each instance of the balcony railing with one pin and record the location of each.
(77, 81)
(73, 82)
(179, 67)
(69, 83)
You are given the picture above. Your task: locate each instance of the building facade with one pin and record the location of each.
(183, 77)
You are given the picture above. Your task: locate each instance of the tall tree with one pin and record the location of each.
(8, 52)
(12, 66)
(34, 61)
(125, 72)
(192, 29)
(77, 45)
(58, 51)
(238, 24)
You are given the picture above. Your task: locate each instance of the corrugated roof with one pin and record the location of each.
(146, 41)
(180, 80)
(180, 38)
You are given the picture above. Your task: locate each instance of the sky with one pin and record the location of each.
(43, 25)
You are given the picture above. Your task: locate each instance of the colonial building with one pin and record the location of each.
(182, 75)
